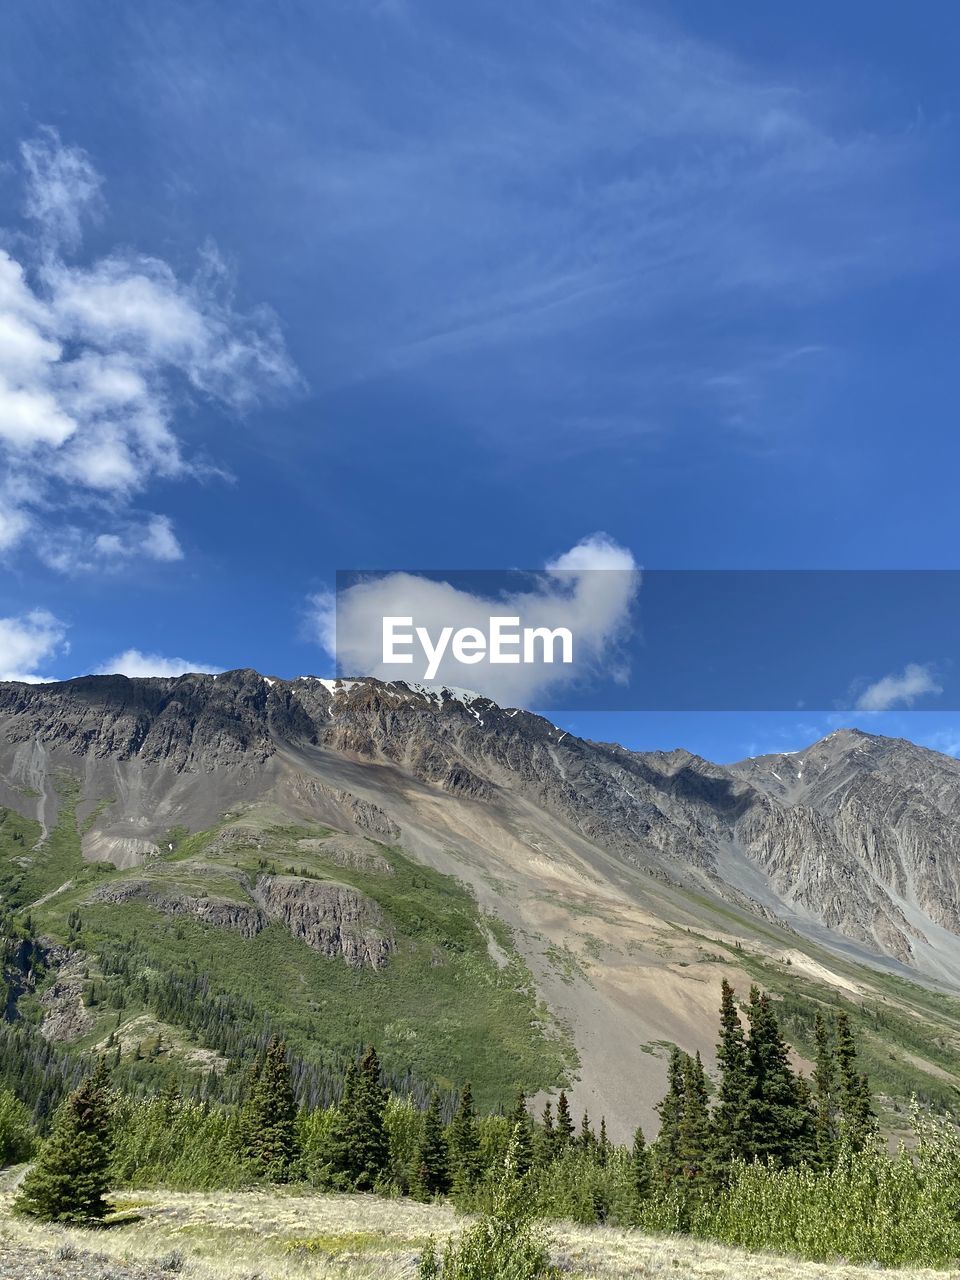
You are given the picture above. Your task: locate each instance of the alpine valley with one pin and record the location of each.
(188, 864)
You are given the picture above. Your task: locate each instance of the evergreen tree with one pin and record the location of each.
(358, 1145)
(780, 1122)
(694, 1132)
(464, 1143)
(730, 1139)
(670, 1108)
(603, 1143)
(564, 1123)
(548, 1134)
(640, 1167)
(824, 1086)
(586, 1140)
(522, 1136)
(69, 1181)
(433, 1158)
(268, 1116)
(855, 1103)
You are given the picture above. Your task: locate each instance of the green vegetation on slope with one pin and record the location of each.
(441, 1009)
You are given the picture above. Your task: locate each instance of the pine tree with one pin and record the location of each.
(69, 1181)
(824, 1086)
(640, 1167)
(548, 1135)
(464, 1143)
(603, 1143)
(358, 1145)
(268, 1117)
(780, 1122)
(564, 1123)
(522, 1136)
(730, 1138)
(433, 1158)
(694, 1134)
(586, 1140)
(855, 1103)
(670, 1108)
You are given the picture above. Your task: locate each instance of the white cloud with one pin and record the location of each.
(898, 690)
(62, 188)
(134, 663)
(95, 360)
(589, 590)
(28, 640)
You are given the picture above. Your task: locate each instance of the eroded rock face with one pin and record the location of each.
(65, 1017)
(334, 919)
(245, 918)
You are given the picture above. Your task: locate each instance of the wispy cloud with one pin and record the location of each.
(96, 360)
(899, 690)
(594, 166)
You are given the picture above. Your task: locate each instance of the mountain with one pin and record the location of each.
(483, 894)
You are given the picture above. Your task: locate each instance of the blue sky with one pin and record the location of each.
(298, 287)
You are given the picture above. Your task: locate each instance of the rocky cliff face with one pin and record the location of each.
(856, 836)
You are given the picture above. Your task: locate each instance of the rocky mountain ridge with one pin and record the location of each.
(855, 834)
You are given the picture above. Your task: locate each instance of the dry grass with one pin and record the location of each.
(273, 1235)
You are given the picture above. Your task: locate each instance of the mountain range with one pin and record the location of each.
(483, 893)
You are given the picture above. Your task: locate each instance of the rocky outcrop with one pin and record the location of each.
(246, 918)
(334, 919)
(65, 1016)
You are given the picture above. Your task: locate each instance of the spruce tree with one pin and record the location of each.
(548, 1135)
(603, 1143)
(268, 1117)
(433, 1157)
(694, 1133)
(69, 1181)
(780, 1122)
(564, 1123)
(464, 1143)
(586, 1140)
(521, 1136)
(640, 1167)
(358, 1145)
(730, 1138)
(670, 1108)
(855, 1104)
(824, 1087)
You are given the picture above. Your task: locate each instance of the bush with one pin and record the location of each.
(503, 1245)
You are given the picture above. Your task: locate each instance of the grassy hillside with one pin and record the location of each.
(453, 1002)
(289, 1236)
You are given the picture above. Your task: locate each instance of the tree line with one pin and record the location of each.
(372, 1139)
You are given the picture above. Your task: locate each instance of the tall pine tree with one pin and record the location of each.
(268, 1117)
(464, 1144)
(69, 1181)
(433, 1158)
(522, 1136)
(358, 1146)
(667, 1146)
(564, 1123)
(824, 1094)
(779, 1119)
(855, 1104)
(730, 1137)
(694, 1138)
